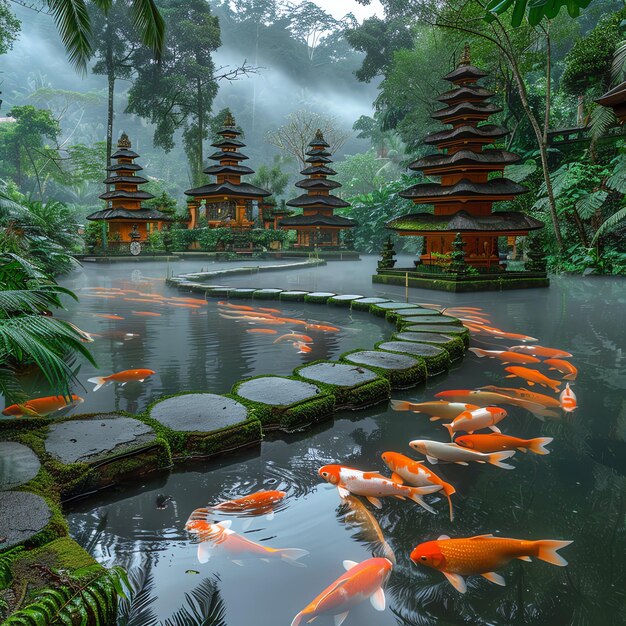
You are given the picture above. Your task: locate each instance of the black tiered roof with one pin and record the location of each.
(227, 153)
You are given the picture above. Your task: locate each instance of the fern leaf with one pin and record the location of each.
(619, 57)
(589, 204)
(609, 224)
(602, 118)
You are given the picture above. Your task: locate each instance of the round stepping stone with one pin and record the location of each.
(437, 359)
(340, 374)
(294, 296)
(416, 312)
(198, 412)
(276, 391)
(22, 516)
(220, 291)
(400, 369)
(94, 439)
(436, 328)
(434, 319)
(18, 465)
(394, 306)
(266, 294)
(452, 343)
(318, 297)
(343, 300)
(241, 293)
(364, 303)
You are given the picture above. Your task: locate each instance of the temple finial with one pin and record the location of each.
(319, 136)
(466, 58)
(229, 120)
(124, 141)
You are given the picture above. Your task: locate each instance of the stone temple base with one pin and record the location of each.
(458, 283)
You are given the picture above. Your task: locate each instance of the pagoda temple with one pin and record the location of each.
(463, 199)
(317, 226)
(127, 220)
(227, 202)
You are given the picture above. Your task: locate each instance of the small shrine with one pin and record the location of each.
(273, 213)
(228, 202)
(126, 219)
(463, 224)
(318, 226)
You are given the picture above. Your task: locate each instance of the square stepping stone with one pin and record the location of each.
(22, 516)
(318, 297)
(284, 403)
(18, 465)
(436, 358)
(401, 370)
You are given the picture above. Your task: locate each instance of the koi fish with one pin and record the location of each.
(144, 300)
(257, 503)
(361, 581)
(481, 555)
(489, 398)
(416, 474)
(469, 421)
(98, 295)
(463, 309)
(108, 316)
(41, 407)
(568, 399)
(295, 337)
(266, 310)
(496, 332)
(435, 451)
(189, 300)
(146, 313)
(322, 327)
(532, 377)
(240, 307)
(212, 535)
(494, 442)
(372, 485)
(438, 410)
(505, 356)
(262, 331)
(550, 353)
(123, 377)
(252, 320)
(303, 348)
(185, 305)
(525, 394)
(564, 367)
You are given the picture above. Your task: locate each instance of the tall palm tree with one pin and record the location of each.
(74, 25)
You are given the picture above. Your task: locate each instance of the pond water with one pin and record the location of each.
(577, 492)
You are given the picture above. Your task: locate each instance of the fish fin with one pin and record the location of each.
(291, 556)
(237, 562)
(494, 578)
(432, 460)
(538, 445)
(448, 427)
(399, 497)
(270, 516)
(297, 620)
(524, 450)
(495, 429)
(443, 537)
(378, 599)
(477, 352)
(375, 501)
(266, 560)
(486, 535)
(450, 505)
(397, 478)
(341, 618)
(510, 376)
(497, 458)
(225, 523)
(427, 489)
(247, 524)
(348, 564)
(462, 463)
(571, 376)
(434, 418)
(548, 551)
(204, 552)
(530, 383)
(400, 405)
(456, 581)
(98, 381)
(343, 492)
(421, 502)
(524, 558)
(122, 384)
(551, 369)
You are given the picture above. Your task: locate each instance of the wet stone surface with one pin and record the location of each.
(293, 295)
(436, 328)
(417, 312)
(383, 360)
(435, 319)
(372, 300)
(346, 298)
(320, 294)
(409, 347)
(276, 391)
(427, 337)
(198, 412)
(100, 436)
(18, 464)
(22, 515)
(339, 374)
(242, 292)
(267, 292)
(395, 306)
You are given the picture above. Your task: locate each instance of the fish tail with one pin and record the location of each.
(496, 459)
(388, 552)
(400, 405)
(570, 376)
(450, 506)
(449, 428)
(538, 445)
(555, 385)
(98, 381)
(548, 551)
(478, 352)
(291, 556)
(416, 498)
(297, 620)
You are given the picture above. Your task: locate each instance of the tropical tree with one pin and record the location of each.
(272, 177)
(9, 27)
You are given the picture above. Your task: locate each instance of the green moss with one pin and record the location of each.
(292, 296)
(345, 303)
(462, 332)
(359, 306)
(398, 379)
(312, 299)
(241, 293)
(435, 363)
(455, 284)
(395, 316)
(454, 346)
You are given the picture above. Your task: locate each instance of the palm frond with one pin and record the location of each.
(149, 24)
(589, 204)
(617, 180)
(137, 610)
(72, 20)
(203, 607)
(619, 58)
(519, 173)
(609, 224)
(602, 118)
(26, 300)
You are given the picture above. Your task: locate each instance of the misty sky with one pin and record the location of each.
(339, 8)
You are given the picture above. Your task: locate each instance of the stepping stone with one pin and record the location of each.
(22, 516)
(219, 291)
(18, 465)
(266, 294)
(241, 293)
(437, 359)
(318, 297)
(198, 412)
(433, 319)
(384, 307)
(454, 345)
(364, 303)
(344, 300)
(416, 312)
(97, 438)
(446, 329)
(276, 391)
(401, 370)
(295, 296)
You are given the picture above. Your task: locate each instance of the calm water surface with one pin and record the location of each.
(577, 492)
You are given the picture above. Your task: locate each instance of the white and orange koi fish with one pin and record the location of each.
(469, 421)
(436, 451)
(437, 410)
(568, 399)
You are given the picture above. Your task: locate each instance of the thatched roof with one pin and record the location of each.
(462, 221)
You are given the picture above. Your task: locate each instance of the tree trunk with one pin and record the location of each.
(199, 151)
(110, 65)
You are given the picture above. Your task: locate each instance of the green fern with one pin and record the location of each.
(6, 561)
(609, 224)
(204, 607)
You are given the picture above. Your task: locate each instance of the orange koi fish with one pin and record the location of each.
(255, 503)
(269, 321)
(469, 421)
(361, 581)
(435, 451)
(503, 335)
(494, 442)
(524, 394)
(322, 327)
(415, 473)
(98, 295)
(568, 399)
(372, 485)
(220, 534)
(564, 367)
(244, 315)
(241, 307)
(262, 331)
(488, 398)
(291, 320)
(481, 555)
(295, 337)
(190, 300)
(464, 309)
(108, 316)
(550, 353)
(269, 310)
(532, 377)
(303, 348)
(41, 407)
(438, 410)
(185, 305)
(144, 300)
(122, 377)
(505, 356)
(146, 313)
